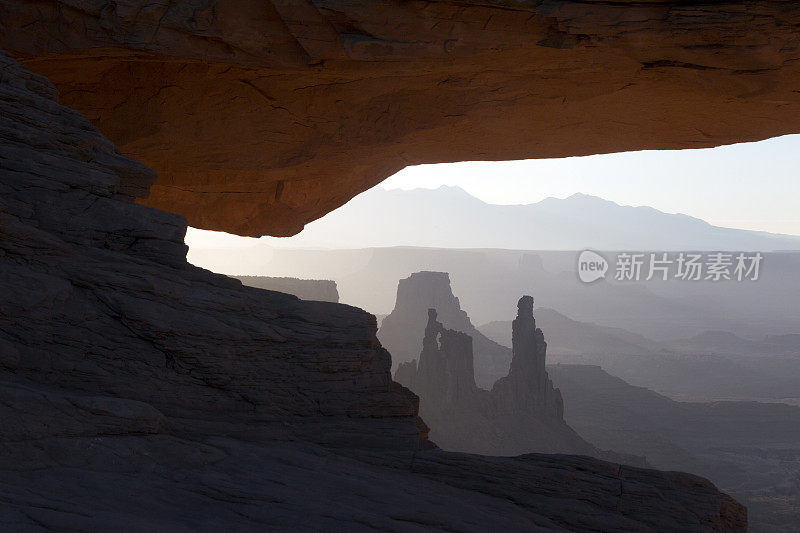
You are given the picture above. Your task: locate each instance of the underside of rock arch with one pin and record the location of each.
(262, 116)
(126, 371)
(138, 392)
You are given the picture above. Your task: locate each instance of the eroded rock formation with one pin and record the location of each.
(445, 370)
(522, 413)
(321, 290)
(400, 331)
(527, 387)
(260, 116)
(140, 393)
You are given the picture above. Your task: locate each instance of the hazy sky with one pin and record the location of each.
(748, 186)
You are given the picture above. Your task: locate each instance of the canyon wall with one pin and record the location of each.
(322, 290)
(260, 116)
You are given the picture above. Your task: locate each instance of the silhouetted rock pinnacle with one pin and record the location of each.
(403, 330)
(523, 413)
(527, 386)
(445, 368)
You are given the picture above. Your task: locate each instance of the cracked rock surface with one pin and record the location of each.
(139, 393)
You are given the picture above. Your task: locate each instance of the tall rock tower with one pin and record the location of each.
(402, 331)
(523, 413)
(527, 386)
(445, 373)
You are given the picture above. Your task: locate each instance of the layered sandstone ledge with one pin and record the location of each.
(140, 393)
(260, 116)
(97, 296)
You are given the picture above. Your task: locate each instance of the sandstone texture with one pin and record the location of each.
(97, 296)
(260, 116)
(139, 393)
(322, 290)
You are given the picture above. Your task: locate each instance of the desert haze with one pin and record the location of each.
(448, 217)
(699, 376)
(494, 265)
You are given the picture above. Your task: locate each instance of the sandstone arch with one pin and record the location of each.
(262, 116)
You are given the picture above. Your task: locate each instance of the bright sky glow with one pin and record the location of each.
(752, 186)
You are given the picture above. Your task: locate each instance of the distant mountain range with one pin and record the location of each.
(448, 217)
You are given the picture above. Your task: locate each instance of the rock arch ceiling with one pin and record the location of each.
(262, 116)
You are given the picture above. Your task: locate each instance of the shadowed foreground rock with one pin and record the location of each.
(161, 482)
(260, 116)
(140, 393)
(97, 296)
